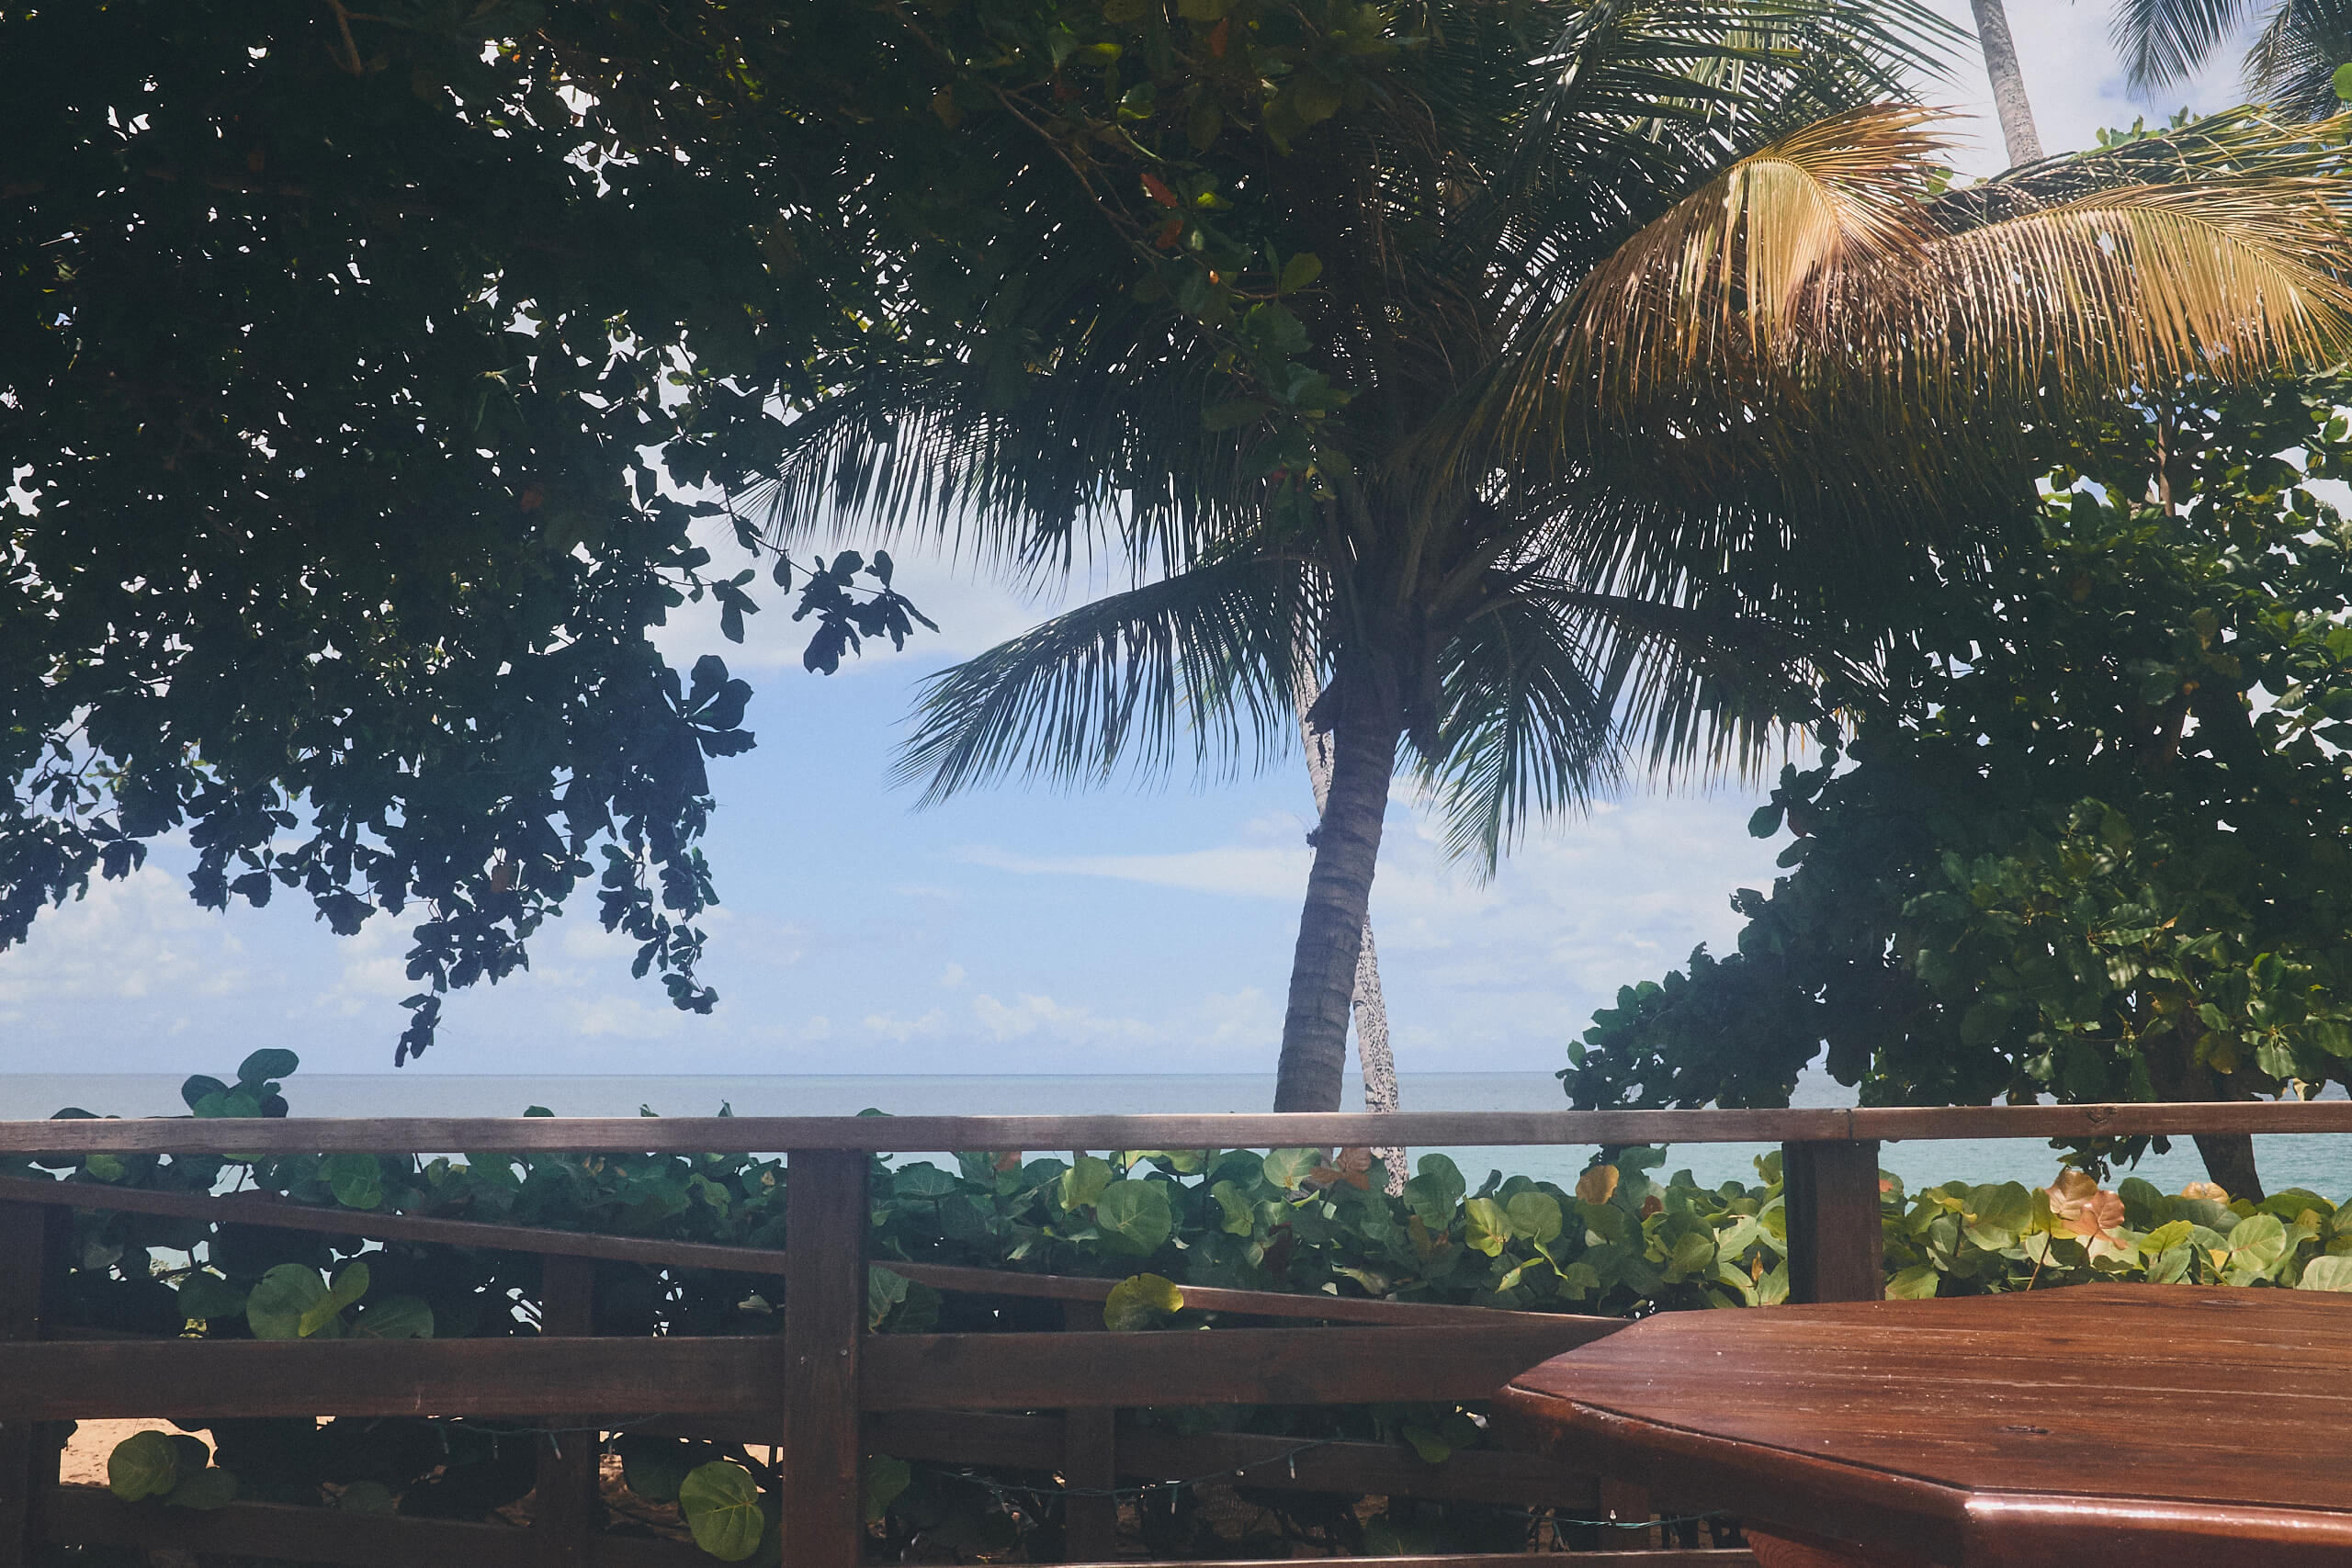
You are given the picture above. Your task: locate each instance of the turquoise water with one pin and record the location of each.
(2321, 1163)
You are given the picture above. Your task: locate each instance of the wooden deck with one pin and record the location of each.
(828, 1391)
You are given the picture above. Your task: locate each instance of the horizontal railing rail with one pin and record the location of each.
(705, 1135)
(230, 1208)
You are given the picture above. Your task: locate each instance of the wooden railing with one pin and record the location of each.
(826, 1391)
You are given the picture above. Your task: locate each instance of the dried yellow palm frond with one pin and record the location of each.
(1820, 279)
(1744, 260)
(2221, 278)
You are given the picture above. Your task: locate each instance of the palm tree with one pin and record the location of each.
(2291, 64)
(2001, 68)
(1647, 359)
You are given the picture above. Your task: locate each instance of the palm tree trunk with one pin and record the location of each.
(2228, 1156)
(1338, 893)
(1371, 1008)
(2009, 83)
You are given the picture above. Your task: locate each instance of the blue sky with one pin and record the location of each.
(1010, 931)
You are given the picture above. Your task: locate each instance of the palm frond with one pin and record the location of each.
(1707, 683)
(2292, 63)
(1637, 103)
(2230, 278)
(1204, 654)
(1526, 734)
(1814, 302)
(2164, 42)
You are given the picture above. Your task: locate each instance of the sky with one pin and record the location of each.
(1128, 931)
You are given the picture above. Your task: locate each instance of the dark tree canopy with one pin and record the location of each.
(341, 357)
(2095, 840)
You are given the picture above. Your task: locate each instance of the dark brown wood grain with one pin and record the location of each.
(1703, 1557)
(728, 1376)
(1089, 1461)
(1233, 1366)
(1836, 1244)
(616, 1378)
(827, 1219)
(1387, 1470)
(565, 1509)
(90, 1515)
(29, 1260)
(2101, 1427)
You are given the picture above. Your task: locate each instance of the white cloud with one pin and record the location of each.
(889, 1026)
(138, 940)
(1250, 869)
(1027, 1015)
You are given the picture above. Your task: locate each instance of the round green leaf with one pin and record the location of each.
(394, 1317)
(1434, 1449)
(1288, 1168)
(275, 1309)
(2342, 81)
(323, 1316)
(1234, 1204)
(368, 1497)
(1535, 1215)
(205, 1296)
(1433, 1194)
(1083, 1182)
(923, 1179)
(884, 1479)
(722, 1507)
(2330, 1273)
(356, 1180)
(270, 1061)
(1917, 1283)
(1141, 1301)
(204, 1489)
(144, 1464)
(656, 1467)
(1486, 1225)
(1135, 1216)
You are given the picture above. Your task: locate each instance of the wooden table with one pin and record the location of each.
(2099, 1427)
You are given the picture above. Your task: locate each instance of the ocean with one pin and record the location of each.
(2319, 1162)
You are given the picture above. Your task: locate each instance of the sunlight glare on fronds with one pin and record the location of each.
(1821, 270)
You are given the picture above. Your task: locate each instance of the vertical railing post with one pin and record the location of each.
(827, 1213)
(1090, 1462)
(563, 1514)
(1837, 1248)
(32, 1251)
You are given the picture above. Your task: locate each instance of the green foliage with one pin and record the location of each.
(1145, 1300)
(2092, 837)
(144, 1464)
(171, 1466)
(332, 346)
(721, 1502)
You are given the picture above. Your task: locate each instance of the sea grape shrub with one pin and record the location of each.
(1619, 1241)
(1960, 1240)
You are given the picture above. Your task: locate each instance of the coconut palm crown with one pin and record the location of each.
(1568, 400)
